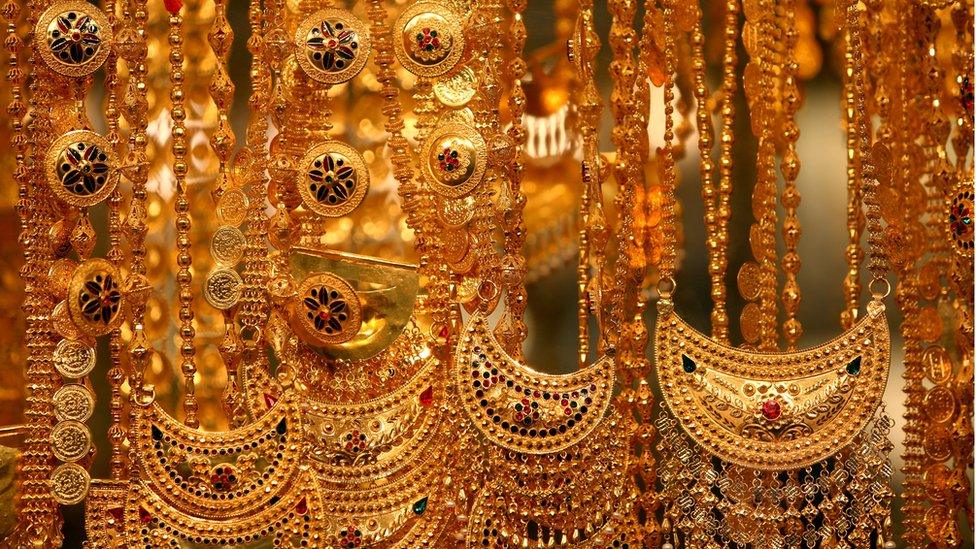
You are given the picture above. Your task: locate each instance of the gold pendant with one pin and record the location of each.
(523, 410)
(773, 411)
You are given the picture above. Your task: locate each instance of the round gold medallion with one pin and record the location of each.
(937, 365)
(455, 213)
(74, 37)
(938, 443)
(749, 322)
(430, 41)
(227, 245)
(69, 483)
(73, 402)
(95, 297)
(70, 440)
(328, 312)
(80, 168)
(940, 404)
(62, 323)
(223, 288)
(333, 45)
(455, 160)
(232, 207)
(335, 179)
(74, 359)
(749, 280)
(458, 89)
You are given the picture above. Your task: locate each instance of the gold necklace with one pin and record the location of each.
(763, 414)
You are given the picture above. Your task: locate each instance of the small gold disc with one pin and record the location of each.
(232, 207)
(457, 89)
(749, 280)
(455, 213)
(455, 160)
(938, 521)
(937, 365)
(333, 45)
(73, 402)
(940, 404)
(938, 480)
(938, 443)
(58, 276)
(227, 245)
(62, 323)
(69, 483)
(95, 297)
(455, 244)
(81, 168)
(74, 359)
(430, 41)
(749, 322)
(70, 440)
(74, 37)
(328, 311)
(335, 179)
(223, 288)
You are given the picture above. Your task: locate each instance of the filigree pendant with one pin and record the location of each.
(773, 411)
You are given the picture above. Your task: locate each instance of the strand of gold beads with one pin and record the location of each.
(513, 228)
(706, 170)
(758, 320)
(789, 166)
(184, 260)
(594, 233)
(135, 109)
(113, 86)
(718, 260)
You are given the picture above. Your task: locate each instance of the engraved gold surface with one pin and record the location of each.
(73, 402)
(74, 359)
(773, 411)
(227, 245)
(70, 440)
(69, 483)
(457, 89)
(222, 288)
(521, 409)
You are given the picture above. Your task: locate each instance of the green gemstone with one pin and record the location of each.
(420, 506)
(688, 364)
(854, 366)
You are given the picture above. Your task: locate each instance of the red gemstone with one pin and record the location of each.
(771, 410)
(269, 400)
(173, 6)
(116, 513)
(144, 515)
(302, 507)
(427, 397)
(443, 332)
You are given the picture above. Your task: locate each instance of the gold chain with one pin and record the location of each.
(513, 262)
(184, 260)
(718, 249)
(790, 168)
